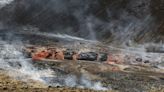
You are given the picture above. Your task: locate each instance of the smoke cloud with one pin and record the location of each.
(14, 62)
(115, 22)
(4, 2)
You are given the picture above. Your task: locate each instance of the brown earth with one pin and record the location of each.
(8, 84)
(127, 79)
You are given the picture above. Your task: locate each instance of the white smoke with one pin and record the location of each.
(19, 67)
(93, 85)
(90, 26)
(74, 81)
(12, 59)
(80, 82)
(58, 35)
(5, 2)
(130, 55)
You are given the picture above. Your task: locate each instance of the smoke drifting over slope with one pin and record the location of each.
(106, 20)
(13, 61)
(111, 21)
